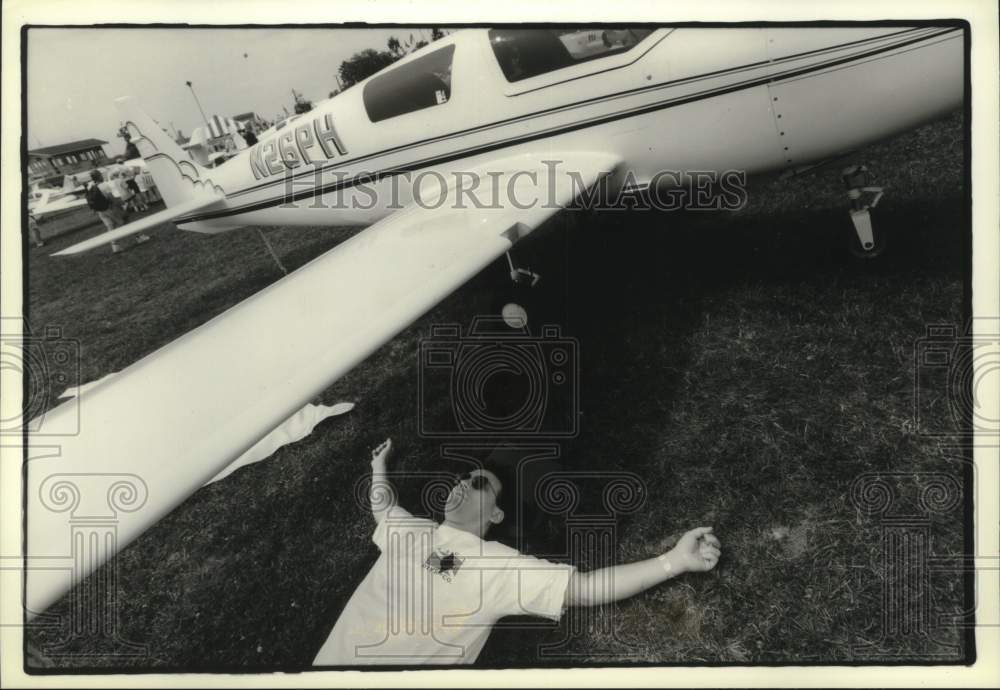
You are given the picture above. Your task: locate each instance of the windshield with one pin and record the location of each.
(524, 53)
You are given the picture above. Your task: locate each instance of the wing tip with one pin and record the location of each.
(74, 249)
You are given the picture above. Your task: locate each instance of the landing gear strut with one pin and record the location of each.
(514, 311)
(522, 276)
(866, 242)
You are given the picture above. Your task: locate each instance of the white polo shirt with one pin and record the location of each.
(434, 594)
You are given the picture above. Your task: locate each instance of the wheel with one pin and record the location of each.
(854, 245)
(514, 315)
(516, 305)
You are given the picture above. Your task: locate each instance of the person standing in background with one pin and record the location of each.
(138, 203)
(33, 232)
(121, 191)
(144, 185)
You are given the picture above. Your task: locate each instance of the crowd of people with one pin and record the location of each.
(115, 192)
(113, 199)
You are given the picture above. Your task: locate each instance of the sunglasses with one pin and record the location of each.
(478, 482)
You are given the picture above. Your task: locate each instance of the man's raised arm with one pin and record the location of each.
(382, 494)
(697, 551)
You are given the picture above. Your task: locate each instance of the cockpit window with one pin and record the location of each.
(416, 85)
(524, 53)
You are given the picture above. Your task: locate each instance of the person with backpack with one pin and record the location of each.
(100, 199)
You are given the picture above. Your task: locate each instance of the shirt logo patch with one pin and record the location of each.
(443, 563)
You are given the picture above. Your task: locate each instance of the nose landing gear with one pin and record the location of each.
(522, 276)
(866, 242)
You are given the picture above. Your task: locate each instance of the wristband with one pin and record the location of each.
(668, 568)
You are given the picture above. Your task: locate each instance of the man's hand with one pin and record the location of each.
(697, 551)
(381, 494)
(382, 452)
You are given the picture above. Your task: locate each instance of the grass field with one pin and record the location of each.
(743, 364)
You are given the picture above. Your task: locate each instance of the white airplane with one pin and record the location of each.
(517, 107)
(44, 202)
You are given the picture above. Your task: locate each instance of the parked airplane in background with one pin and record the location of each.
(545, 115)
(45, 202)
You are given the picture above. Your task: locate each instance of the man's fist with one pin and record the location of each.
(381, 453)
(697, 551)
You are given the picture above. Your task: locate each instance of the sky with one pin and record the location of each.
(74, 75)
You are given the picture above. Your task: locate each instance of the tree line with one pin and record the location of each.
(367, 62)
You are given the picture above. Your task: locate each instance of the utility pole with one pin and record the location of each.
(208, 130)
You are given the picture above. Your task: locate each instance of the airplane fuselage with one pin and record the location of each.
(688, 99)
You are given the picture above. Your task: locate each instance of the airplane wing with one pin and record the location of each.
(145, 223)
(138, 445)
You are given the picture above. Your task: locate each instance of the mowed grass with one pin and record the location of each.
(743, 364)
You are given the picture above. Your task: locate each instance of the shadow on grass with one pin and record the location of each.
(690, 331)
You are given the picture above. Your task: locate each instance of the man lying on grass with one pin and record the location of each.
(437, 589)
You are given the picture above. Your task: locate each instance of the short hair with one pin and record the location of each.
(95, 175)
(506, 498)
(524, 519)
